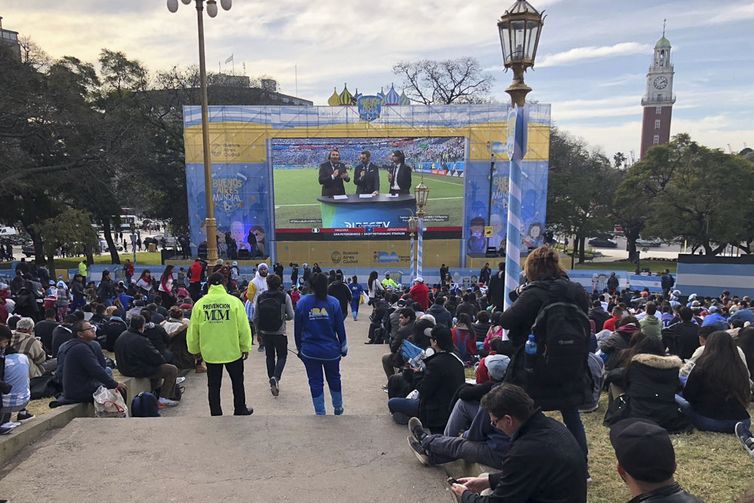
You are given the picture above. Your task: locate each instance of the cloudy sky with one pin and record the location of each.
(592, 61)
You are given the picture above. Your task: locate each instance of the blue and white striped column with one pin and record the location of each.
(516, 151)
(420, 252)
(413, 257)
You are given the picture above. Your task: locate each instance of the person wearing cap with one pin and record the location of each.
(219, 331)
(420, 293)
(468, 434)
(715, 319)
(257, 286)
(646, 462)
(544, 461)
(388, 282)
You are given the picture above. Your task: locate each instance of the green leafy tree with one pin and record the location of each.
(71, 229)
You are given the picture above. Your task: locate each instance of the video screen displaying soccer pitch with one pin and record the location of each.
(438, 161)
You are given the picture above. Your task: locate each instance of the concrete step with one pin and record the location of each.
(254, 458)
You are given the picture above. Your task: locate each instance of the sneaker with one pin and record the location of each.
(245, 412)
(166, 402)
(417, 430)
(745, 437)
(260, 349)
(24, 416)
(418, 451)
(10, 424)
(274, 387)
(201, 368)
(338, 411)
(180, 380)
(5, 430)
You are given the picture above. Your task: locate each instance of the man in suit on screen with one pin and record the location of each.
(366, 175)
(332, 174)
(400, 174)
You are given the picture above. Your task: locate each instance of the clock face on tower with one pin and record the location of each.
(661, 82)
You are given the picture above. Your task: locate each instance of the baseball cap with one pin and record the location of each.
(497, 366)
(419, 279)
(262, 266)
(643, 449)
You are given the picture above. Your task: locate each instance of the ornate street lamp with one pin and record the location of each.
(421, 193)
(520, 28)
(210, 225)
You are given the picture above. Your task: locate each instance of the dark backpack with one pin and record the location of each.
(145, 404)
(271, 307)
(562, 332)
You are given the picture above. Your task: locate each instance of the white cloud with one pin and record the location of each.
(736, 13)
(590, 52)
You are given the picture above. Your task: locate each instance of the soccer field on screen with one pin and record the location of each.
(297, 190)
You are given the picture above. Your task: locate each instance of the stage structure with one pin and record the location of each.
(267, 162)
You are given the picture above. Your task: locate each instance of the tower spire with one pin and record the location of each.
(664, 23)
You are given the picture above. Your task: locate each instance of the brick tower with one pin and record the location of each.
(658, 100)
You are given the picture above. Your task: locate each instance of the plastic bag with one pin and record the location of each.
(109, 403)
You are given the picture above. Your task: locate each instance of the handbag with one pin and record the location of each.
(109, 403)
(619, 409)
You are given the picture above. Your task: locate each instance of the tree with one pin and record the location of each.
(696, 194)
(581, 186)
(71, 229)
(443, 82)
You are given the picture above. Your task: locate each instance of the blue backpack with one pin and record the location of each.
(145, 404)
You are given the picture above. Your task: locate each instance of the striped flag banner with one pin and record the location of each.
(517, 138)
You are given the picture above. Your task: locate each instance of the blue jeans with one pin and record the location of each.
(403, 409)
(704, 423)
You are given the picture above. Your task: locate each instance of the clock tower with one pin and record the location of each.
(658, 100)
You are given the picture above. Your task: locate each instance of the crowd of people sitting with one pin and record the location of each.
(668, 363)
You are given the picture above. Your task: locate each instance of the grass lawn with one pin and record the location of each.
(712, 466)
(297, 190)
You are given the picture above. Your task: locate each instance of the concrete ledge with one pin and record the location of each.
(31, 431)
(461, 468)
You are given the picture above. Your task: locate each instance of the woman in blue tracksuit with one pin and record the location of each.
(321, 342)
(356, 291)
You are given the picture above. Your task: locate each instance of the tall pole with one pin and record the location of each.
(210, 223)
(516, 129)
(420, 252)
(413, 256)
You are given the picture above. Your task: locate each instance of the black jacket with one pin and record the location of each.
(443, 375)
(330, 186)
(710, 399)
(442, 315)
(518, 319)
(495, 289)
(544, 464)
(672, 493)
(366, 178)
(404, 179)
(136, 356)
(651, 384)
(60, 334)
(681, 339)
(340, 291)
(599, 316)
(83, 372)
(111, 331)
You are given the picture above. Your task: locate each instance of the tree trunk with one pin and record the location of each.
(36, 239)
(51, 267)
(631, 246)
(107, 231)
(582, 251)
(89, 254)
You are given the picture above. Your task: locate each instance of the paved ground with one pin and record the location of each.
(281, 453)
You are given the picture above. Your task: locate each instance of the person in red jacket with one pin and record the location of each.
(195, 279)
(420, 293)
(610, 323)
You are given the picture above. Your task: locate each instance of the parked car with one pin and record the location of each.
(602, 243)
(649, 243)
(28, 249)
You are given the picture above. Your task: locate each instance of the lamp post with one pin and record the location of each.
(412, 225)
(519, 28)
(210, 224)
(421, 192)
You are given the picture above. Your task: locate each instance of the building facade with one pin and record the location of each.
(9, 39)
(659, 99)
